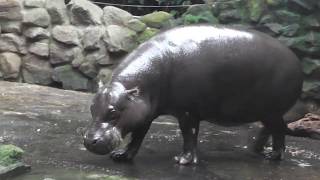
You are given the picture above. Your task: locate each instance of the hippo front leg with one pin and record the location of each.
(189, 129)
(130, 150)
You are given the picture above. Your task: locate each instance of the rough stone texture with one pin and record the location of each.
(156, 19)
(40, 48)
(36, 70)
(136, 25)
(36, 17)
(10, 65)
(11, 27)
(309, 126)
(61, 54)
(92, 37)
(58, 11)
(104, 75)
(120, 38)
(66, 34)
(34, 3)
(13, 43)
(89, 69)
(10, 10)
(83, 12)
(70, 78)
(36, 33)
(115, 16)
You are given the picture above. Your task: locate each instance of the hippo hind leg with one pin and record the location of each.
(189, 128)
(276, 128)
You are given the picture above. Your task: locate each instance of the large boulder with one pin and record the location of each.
(13, 43)
(309, 126)
(61, 54)
(120, 38)
(36, 70)
(115, 16)
(156, 19)
(66, 34)
(36, 17)
(104, 75)
(10, 10)
(92, 37)
(58, 11)
(36, 33)
(84, 12)
(70, 78)
(136, 25)
(10, 65)
(40, 48)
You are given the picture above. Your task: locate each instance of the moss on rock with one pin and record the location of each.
(10, 154)
(147, 34)
(156, 19)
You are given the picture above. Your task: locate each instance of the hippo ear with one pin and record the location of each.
(133, 92)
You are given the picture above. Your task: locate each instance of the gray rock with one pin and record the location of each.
(58, 11)
(66, 34)
(84, 12)
(11, 27)
(136, 25)
(40, 48)
(34, 3)
(229, 16)
(92, 37)
(115, 16)
(61, 54)
(36, 70)
(10, 10)
(36, 33)
(99, 57)
(70, 78)
(13, 43)
(10, 65)
(89, 69)
(36, 17)
(156, 19)
(120, 38)
(104, 75)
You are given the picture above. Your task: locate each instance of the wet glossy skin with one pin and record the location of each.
(222, 75)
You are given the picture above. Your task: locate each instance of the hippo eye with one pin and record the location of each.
(113, 114)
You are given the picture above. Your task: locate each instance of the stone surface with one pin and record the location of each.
(10, 10)
(70, 78)
(89, 69)
(40, 48)
(11, 27)
(156, 19)
(287, 17)
(311, 90)
(66, 34)
(36, 33)
(229, 16)
(99, 57)
(10, 65)
(290, 30)
(120, 38)
(104, 75)
(92, 37)
(36, 17)
(115, 16)
(136, 25)
(36, 70)
(34, 3)
(147, 34)
(58, 11)
(83, 12)
(13, 43)
(61, 54)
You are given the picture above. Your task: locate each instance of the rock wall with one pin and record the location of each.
(75, 45)
(70, 45)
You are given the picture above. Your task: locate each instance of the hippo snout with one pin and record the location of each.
(102, 143)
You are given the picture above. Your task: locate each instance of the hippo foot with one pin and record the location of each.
(120, 155)
(186, 158)
(275, 156)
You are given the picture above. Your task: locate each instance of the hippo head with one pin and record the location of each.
(116, 112)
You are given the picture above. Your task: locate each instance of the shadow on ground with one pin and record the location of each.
(46, 123)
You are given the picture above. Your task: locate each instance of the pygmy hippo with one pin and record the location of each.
(223, 75)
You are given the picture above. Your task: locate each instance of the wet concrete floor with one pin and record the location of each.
(46, 123)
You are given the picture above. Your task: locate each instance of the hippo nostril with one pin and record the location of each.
(94, 141)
